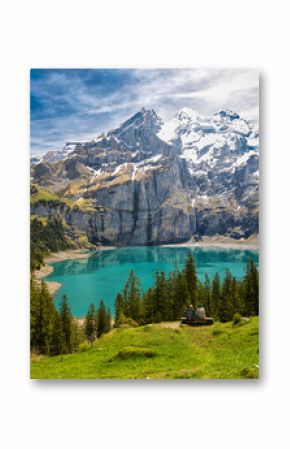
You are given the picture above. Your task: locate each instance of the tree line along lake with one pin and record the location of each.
(104, 273)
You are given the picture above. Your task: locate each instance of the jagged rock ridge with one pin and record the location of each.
(150, 182)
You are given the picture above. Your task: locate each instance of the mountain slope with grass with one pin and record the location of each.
(161, 351)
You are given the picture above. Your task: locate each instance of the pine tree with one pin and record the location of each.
(76, 335)
(148, 299)
(162, 303)
(216, 296)
(191, 279)
(51, 332)
(42, 313)
(34, 314)
(235, 297)
(226, 310)
(108, 321)
(91, 323)
(119, 309)
(102, 319)
(180, 295)
(66, 324)
(255, 287)
(58, 343)
(207, 295)
(251, 289)
(132, 298)
(46, 319)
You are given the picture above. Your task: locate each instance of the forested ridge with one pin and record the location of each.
(45, 238)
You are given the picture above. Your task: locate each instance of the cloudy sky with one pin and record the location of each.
(68, 104)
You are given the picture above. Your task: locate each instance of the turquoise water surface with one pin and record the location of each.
(103, 275)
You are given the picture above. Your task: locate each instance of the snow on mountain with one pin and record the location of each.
(212, 140)
(145, 120)
(55, 156)
(209, 145)
(35, 159)
(206, 167)
(221, 140)
(196, 131)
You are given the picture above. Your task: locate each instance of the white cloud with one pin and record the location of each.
(204, 90)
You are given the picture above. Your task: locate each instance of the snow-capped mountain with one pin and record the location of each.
(222, 143)
(55, 156)
(197, 133)
(157, 181)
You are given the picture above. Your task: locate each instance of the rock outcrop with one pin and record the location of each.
(147, 182)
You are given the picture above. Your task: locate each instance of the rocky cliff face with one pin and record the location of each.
(148, 182)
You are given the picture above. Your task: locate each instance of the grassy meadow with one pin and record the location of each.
(161, 351)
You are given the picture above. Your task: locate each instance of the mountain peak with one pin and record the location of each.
(187, 114)
(144, 119)
(145, 111)
(230, 114)
(149, 113)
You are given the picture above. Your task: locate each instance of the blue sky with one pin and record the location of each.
(77, 104)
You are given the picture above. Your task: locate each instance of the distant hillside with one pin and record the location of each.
(45, 237)
(162, 351)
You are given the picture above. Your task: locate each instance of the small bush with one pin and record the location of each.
(135, 353)
(124, 326)
(216, 332)
(125, 322)
(237, 318)
(250, 373)
(84, 346)
(131, 322)
(186, 374)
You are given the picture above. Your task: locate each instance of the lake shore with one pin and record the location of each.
(73, 254)
(221, 242)
(69, 254)
(45, 271)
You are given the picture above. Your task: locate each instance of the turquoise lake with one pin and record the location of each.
(103, 275)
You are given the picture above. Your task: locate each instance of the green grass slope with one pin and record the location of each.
(221, 351)
(40, 194)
